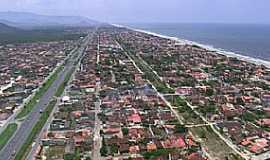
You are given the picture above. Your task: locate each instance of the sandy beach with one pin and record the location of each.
(208, 47)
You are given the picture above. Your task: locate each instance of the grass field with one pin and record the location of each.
(215, 146)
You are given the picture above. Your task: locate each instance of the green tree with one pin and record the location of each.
(125, 131)
(209, 92)
(180, 128)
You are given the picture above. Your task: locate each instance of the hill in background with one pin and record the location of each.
(11, 35)
(30, 20)
(7, 29)
(22, 27)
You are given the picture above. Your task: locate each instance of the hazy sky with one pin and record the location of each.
(227, 11)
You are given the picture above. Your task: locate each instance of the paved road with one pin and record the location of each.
(32, 153)
(26, 126)
(192, 107)
(97, 138)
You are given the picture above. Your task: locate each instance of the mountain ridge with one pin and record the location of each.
(4, 28)
(27, 19)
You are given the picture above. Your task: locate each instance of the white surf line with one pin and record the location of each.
(256, 61)
(230, 144)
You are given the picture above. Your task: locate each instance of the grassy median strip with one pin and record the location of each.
(7, 134)
(11, 128)
(61, 88)
(21, 154)
(30, 105)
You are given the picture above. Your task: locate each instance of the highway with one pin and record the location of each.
(26, 126)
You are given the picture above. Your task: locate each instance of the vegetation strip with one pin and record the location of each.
(7, 134)
(149, 74)
(30, 105)
(157, 153)
(177, 101)
(43, 119)
(61, 88)
(37, 128)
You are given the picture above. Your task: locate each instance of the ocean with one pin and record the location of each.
(252, 40)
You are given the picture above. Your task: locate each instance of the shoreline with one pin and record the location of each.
(220, 51)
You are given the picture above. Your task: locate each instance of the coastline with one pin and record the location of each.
(220, 51)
